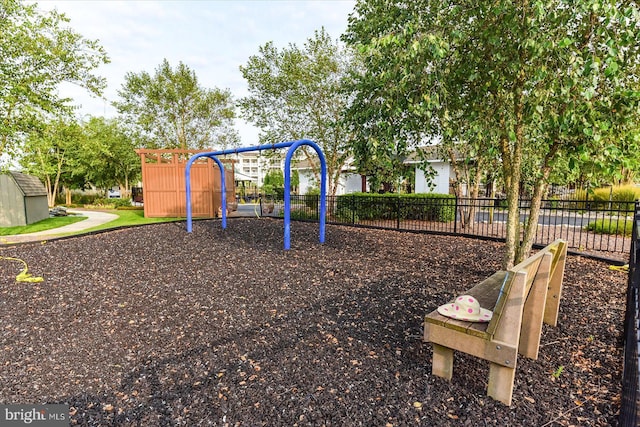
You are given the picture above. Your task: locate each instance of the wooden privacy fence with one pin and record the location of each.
(163, 184)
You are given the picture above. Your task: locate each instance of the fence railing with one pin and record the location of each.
(630, 402)
(587, 226)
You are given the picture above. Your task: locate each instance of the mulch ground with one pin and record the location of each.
(153, 326)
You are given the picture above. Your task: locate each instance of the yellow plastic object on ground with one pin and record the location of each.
(623, 268)
(24, 275)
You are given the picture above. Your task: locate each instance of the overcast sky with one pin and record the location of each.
(212, 37)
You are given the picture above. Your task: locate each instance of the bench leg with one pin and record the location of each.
(442, 365)
(501, 380)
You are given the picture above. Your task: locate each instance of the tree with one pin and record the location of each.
(38, 53)
(47, 151)
(171, 110)
(535, 82)
(108, 155)
(295, 93)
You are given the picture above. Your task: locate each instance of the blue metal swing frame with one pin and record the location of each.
(293, 146)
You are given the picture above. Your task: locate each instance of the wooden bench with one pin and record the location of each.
(521, 299)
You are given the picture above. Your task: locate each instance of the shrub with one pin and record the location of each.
(121, 203)
(347, 215)
(615, 198)
(429, 207)
(312, 198)
(106, 203)
(619, 226)
(301, 214)
(606, 198)
(85, 199)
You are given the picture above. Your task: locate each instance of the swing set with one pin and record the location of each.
(293, 146)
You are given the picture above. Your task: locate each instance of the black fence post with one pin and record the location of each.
(455, 215)
(398, 213)
(353, 209)
(630, 401)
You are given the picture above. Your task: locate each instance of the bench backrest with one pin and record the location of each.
(540, 266)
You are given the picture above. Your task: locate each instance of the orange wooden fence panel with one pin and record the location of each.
(163, 184)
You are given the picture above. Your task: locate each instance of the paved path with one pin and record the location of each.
(94, 218)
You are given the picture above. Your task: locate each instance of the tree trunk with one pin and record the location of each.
(511, 162)
(512, 166)
(492, 197)
(50, 195)
(513, 226)
(536, 203)
(475, 190)
(531, 226)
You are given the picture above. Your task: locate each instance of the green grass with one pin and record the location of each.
(45, 224)
(125, 218)
(620, 226)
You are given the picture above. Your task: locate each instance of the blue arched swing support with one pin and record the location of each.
(287, 183)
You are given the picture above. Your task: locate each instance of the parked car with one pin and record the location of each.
(114, 194)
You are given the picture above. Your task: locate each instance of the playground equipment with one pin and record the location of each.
(293, 146)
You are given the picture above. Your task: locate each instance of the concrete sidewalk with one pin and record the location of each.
(94, 218)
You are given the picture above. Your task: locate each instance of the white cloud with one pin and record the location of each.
(212, 37)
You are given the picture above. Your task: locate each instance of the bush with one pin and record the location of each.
(304, 214)
(606, 198)
(312, 198)
(618, 226)
(106, 203)
(427, 207)
(347, 215)
(85, 199)
(121, 203)
(615, 198)
(301, 214)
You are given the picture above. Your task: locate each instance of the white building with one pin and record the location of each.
(256, 164)
(349, 182)
(444, 173)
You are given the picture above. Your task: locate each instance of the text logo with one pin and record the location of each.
(34, 415)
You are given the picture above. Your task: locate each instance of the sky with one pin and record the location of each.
(213, 37)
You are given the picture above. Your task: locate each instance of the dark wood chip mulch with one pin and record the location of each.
(153, 326)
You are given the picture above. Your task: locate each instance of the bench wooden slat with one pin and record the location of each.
(554, 292)
(533, 312)
(486, 292)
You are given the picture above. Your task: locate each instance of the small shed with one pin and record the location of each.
(23, 199)
(164, 185)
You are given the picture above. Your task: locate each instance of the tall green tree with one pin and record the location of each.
(38, 51)
(534, 81)
(295, 93)
(172, 110)
(107, 155)
(47, 152)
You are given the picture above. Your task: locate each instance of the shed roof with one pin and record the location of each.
(29, 185)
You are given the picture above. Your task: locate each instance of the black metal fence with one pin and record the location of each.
(587, 226)
(630, 376)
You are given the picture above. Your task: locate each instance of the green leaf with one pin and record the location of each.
(611, 69)
(565, 42)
